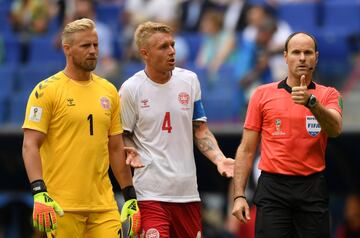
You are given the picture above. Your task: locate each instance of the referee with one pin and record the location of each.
(293, 119)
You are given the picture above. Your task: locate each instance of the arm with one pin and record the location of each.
(44, 205)
(121, 171)
(329, 119)
(243, 164)
(31, 154)
(132, 156)
(208, 146)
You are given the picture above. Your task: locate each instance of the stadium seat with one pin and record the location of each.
(194, 42)
(334, 57)
(218, 95)
(257, 2)
(3, 108)
(129, 69)
(43, 50)
(118, 44)
(216, 104)
(7, 79)
(300, 16)
(341, 16)
(11, 48)
(17, 108)
(333, 46)
(30, 74)
(4, 18)
(110, 15)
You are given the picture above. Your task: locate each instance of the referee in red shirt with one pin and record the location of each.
(292, 119)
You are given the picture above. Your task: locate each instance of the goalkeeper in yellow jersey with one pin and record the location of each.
(72, 135)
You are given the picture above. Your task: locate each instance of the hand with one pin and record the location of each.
(225, 167)
(241, 210)
(133, 158)
(300, 94)
(131, 210)
(44, 217)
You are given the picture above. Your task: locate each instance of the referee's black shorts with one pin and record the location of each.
(292, 206)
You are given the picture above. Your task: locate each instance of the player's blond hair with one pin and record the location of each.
(82, 24)
(145, 30)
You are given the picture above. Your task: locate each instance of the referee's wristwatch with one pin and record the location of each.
(312, 101)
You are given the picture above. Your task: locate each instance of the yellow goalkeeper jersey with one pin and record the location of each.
(77, 118)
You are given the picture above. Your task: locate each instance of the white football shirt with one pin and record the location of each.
(160, 117)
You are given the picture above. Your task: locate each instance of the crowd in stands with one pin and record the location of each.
(233, 45)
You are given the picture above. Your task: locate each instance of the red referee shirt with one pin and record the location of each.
(292, 142)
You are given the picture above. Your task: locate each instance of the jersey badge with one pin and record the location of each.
(70, 102)
(184, 98)
(152, 233)
(278, 131)
(145, 103)
(35, 114)
(340, 102)
(312, 126)
(105, 103)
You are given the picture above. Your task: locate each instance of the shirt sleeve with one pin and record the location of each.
(116, 127)
(199, 111)
(128, 111)
(253, 120)
(334, 100)
(39, 108)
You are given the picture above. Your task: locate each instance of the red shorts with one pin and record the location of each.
(175, 220)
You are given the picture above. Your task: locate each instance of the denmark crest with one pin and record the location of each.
(105, 103)
(184, 98)
(312, 126)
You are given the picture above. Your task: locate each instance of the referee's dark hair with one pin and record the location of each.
(300, 32)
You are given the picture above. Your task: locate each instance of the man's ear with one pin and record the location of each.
(285, 54)
(143, 53)
(66, 49)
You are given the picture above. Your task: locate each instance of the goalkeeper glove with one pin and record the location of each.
(131, 210)
(44, 217)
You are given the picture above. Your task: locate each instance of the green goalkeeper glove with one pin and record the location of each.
(44, 217)
(130, 210)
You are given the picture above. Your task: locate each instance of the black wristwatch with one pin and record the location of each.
(311, 102)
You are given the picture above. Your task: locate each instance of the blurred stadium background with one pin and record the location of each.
(27, 57)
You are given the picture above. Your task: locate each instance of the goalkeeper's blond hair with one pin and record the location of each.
(145, 30)
(82, 24)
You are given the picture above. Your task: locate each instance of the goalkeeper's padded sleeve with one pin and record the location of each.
(44, 217)
(130, 210)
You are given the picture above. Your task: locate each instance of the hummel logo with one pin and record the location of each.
(70, 102)
(145, 103)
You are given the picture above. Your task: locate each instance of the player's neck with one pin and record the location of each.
(158, 77)
(78, 75)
